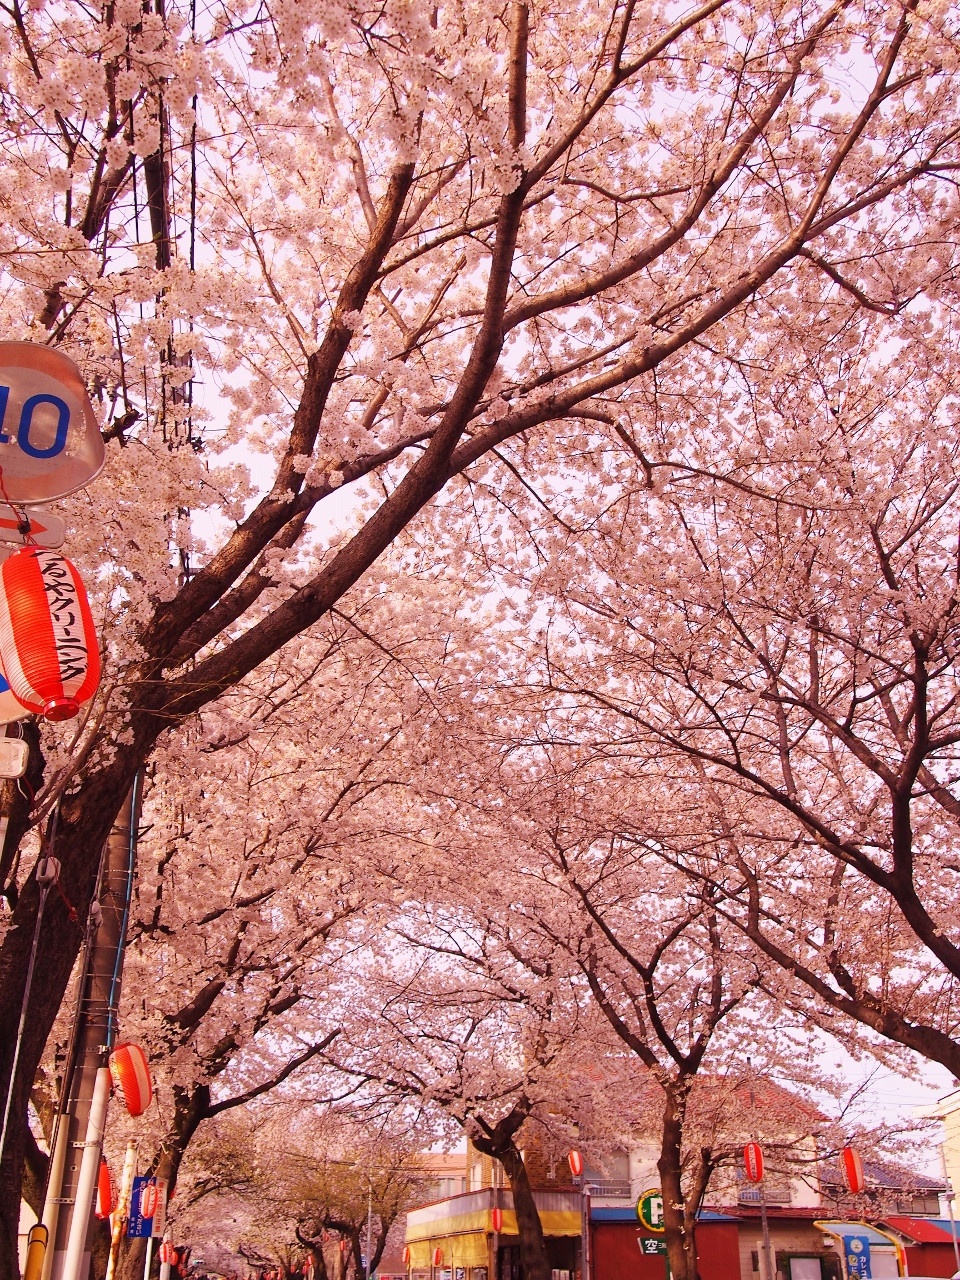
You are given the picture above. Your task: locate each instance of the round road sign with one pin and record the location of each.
(50, 444)
(650, 1210)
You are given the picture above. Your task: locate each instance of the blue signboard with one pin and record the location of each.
(856, 1251)
(137, 1224)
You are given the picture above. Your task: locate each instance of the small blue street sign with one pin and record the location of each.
(856, 1250)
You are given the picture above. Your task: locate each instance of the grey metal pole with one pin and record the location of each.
(587, 1250)
(764, 1225)
(953, 1228)
(771, 1275)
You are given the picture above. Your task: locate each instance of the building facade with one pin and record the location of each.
(813, 1226)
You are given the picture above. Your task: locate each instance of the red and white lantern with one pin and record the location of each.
(405, 1256)
(149, 1200)
(104, 1191)
(852, 1170)
(437, 1256)
(48, 644)
(575, 1160)
(166, 1253)
(753, 1161)
(498, 1219)
(131, 1077)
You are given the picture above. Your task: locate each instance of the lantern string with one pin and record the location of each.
(71, 909)
(23, 520)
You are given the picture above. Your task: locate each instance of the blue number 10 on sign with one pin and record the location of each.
(26, 422)
(50, 442)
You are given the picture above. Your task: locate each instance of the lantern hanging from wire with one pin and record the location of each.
(149, 1200)
(497, 1219)
(104, 1191)
(437, 1256)
(166, 1252)
(48, 643)
(405, 1256)
(131, 1077)
(575, 1160)
(852, 1170)
(753, 1161)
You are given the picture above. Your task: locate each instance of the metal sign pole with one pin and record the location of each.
(953, 1228)
(771, 1275)
(587, 1250)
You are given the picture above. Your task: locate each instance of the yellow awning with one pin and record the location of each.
(468, 1250)
(555, 1222)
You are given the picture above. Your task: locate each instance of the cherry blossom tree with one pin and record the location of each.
(409, 243)
(259, 873)
(614, 942)
(769, 628)
(807, 676)
(444, 1021)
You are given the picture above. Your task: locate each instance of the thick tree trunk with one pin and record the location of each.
(381, 1243)
(679, 1223)
(35, 1164)
(315, 1255)
(533, 1246)
(99, 1248)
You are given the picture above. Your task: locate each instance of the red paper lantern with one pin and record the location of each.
(48, 644)
(498, 1219)
(852, 1170)
(405, 1256)
(576, 1163)
(104, 1191)
(166, 1252)
(343, 1246)
(753, 1161)
(149, 1200)
(131, 1077)
(437, 1256)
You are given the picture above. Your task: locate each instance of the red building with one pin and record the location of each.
(928, 1244)
(624, 1250)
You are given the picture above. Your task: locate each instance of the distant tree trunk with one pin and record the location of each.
(498, 1141)
(315, 1253)
(533, 1245)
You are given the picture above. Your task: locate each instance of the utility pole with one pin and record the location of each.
(78, 1139)
(950, 1197)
